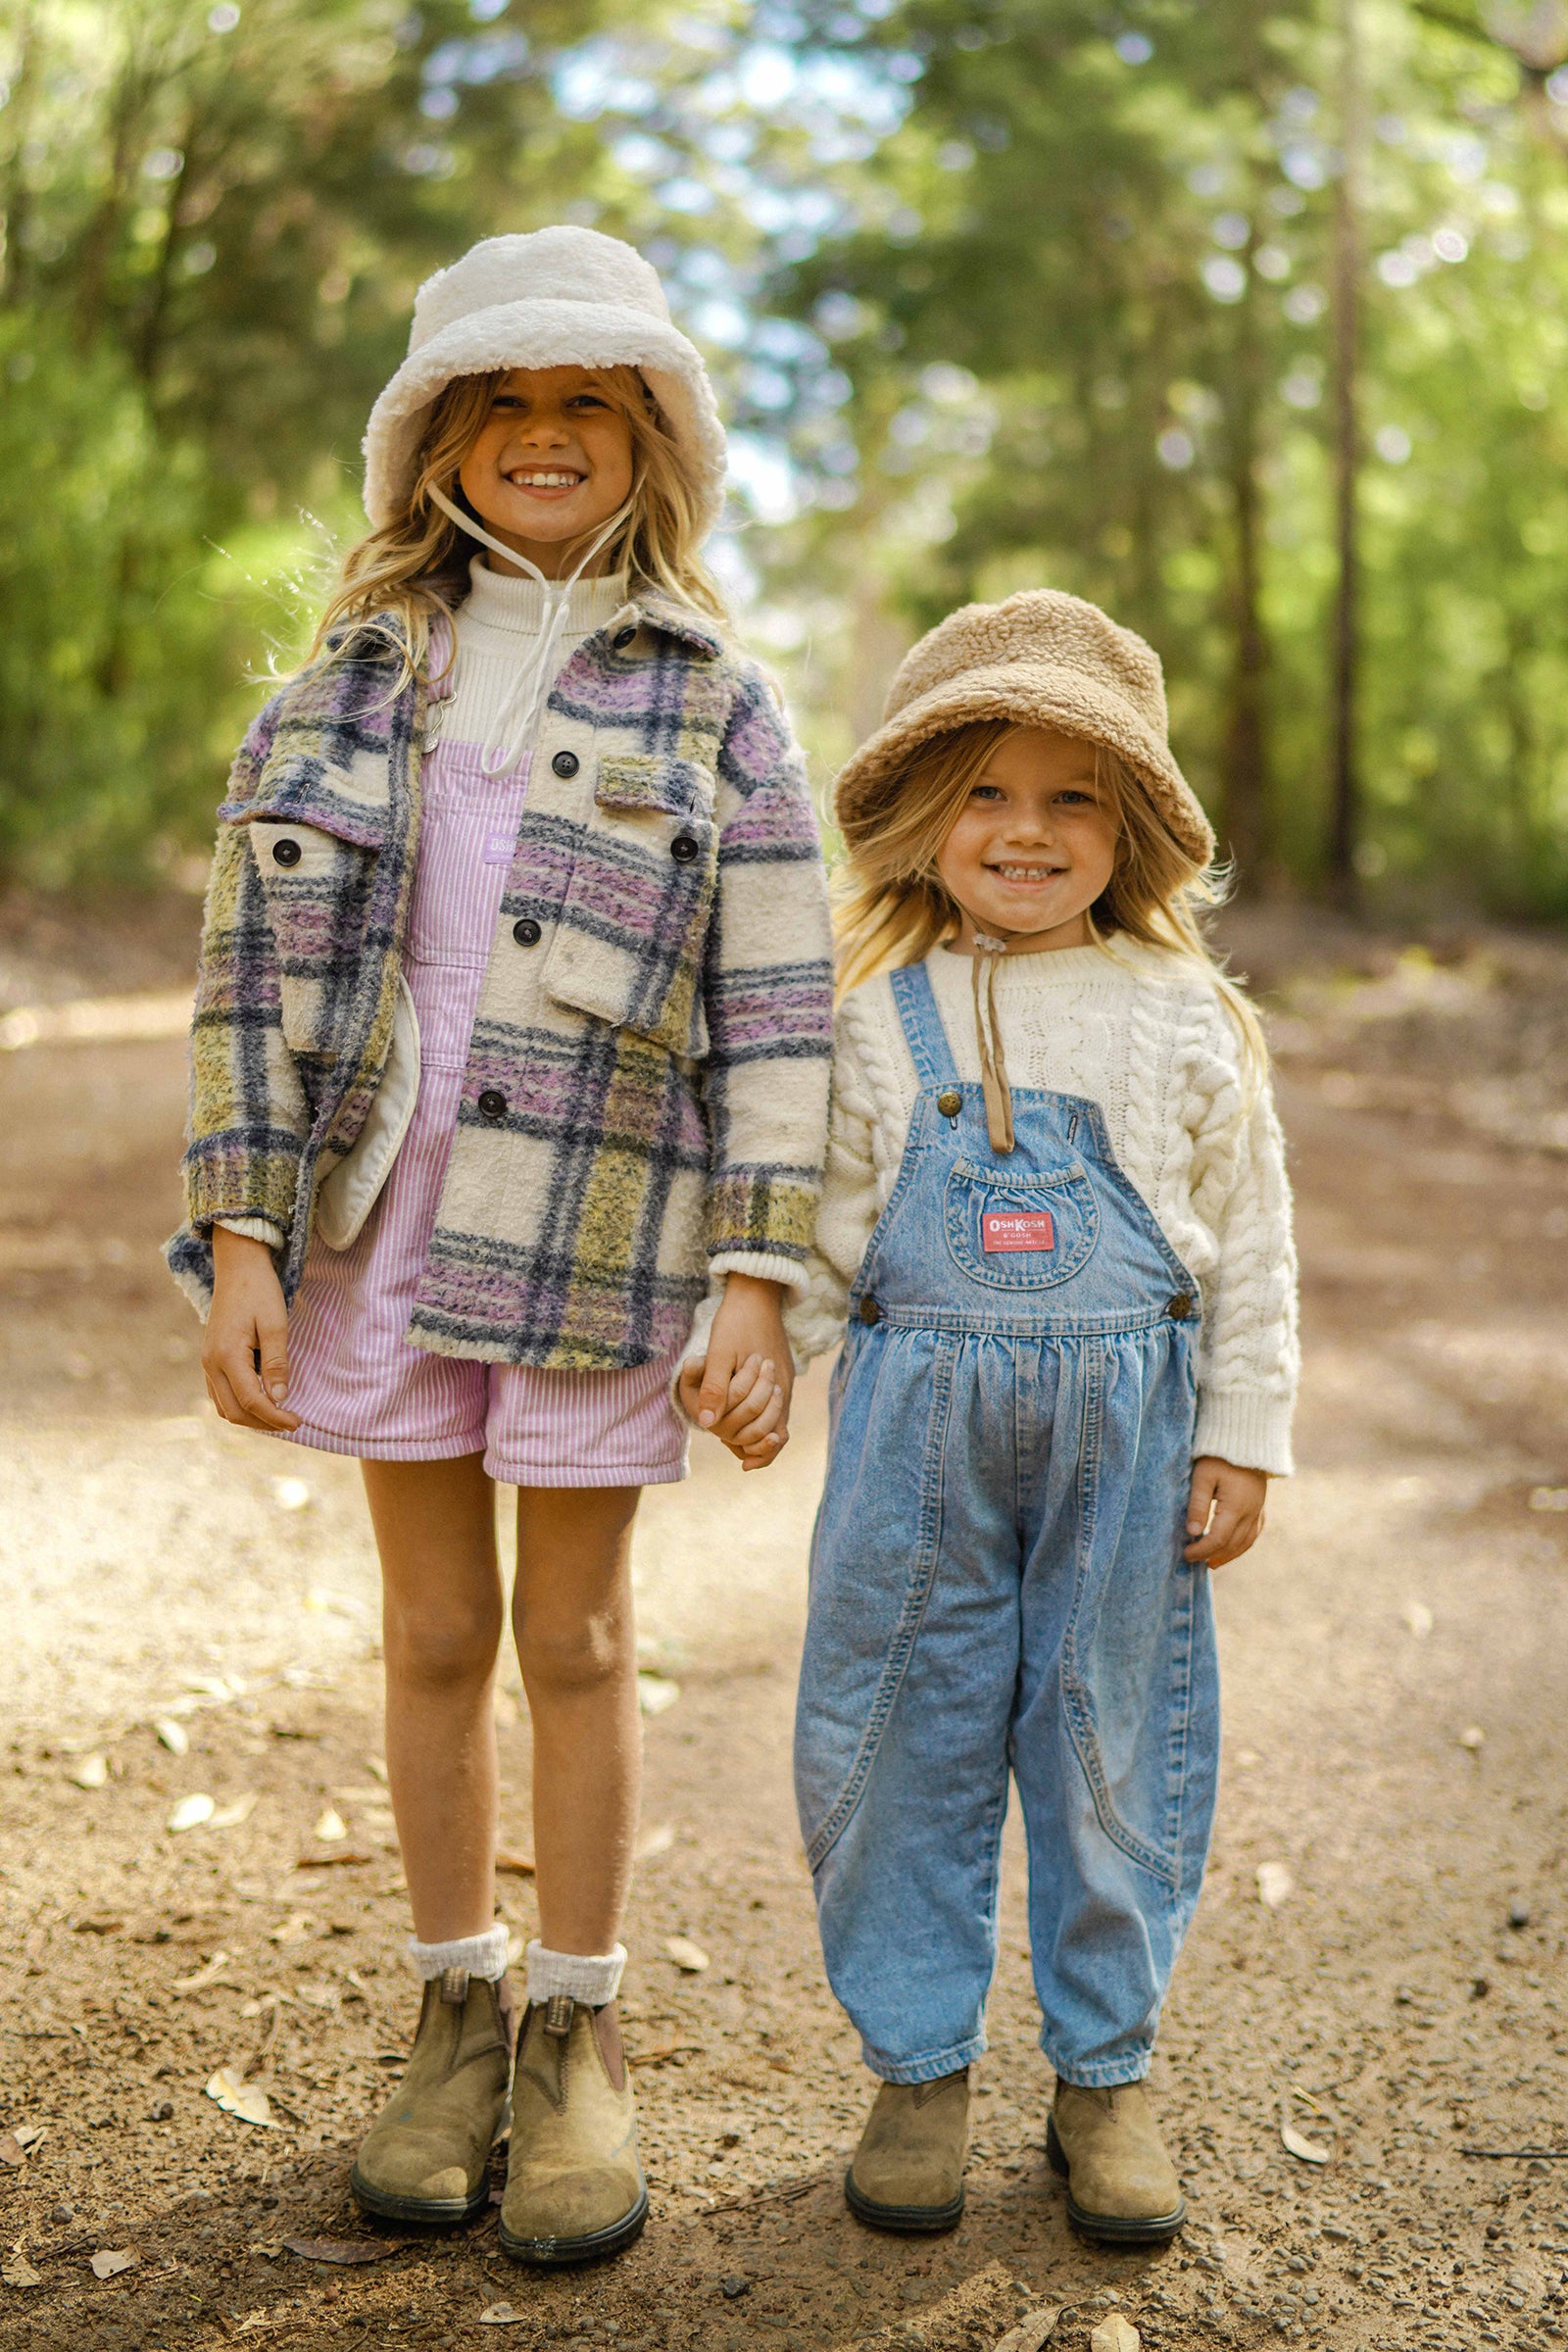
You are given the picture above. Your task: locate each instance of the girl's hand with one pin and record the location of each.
(248, 1320)
(1224, 1510)
(741, 1390)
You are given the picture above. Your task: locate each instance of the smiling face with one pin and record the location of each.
(1034, 844)
(550, 463)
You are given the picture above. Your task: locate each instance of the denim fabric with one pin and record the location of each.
(997, 1578)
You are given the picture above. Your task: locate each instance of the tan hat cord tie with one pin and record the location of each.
(988, 1030)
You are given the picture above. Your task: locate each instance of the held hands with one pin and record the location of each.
(1224, 1511)
(741, 1390)
(248, 1320)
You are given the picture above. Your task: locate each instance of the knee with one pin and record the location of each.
(441, 1649)
(560, 1656)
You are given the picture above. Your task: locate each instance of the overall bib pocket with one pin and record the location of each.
(633, 927)
(1019, 1232)
(317, 888)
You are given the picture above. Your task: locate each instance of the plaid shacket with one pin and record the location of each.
(647, 1078)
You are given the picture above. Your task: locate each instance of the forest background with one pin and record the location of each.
(1246, 318)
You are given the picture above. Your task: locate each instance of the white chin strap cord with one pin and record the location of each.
(508, 738)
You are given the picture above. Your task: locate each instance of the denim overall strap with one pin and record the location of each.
(924, 1029)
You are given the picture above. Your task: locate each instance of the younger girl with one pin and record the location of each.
(513, 1029)
(1057, 1216)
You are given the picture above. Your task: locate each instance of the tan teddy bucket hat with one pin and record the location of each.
(1044, 659)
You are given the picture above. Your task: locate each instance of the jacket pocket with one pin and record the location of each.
(632, 928)
(317, 888)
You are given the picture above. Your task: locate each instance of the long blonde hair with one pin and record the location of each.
(410, 573)
(894, 908)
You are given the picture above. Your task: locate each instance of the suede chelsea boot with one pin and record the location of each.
(575, 2186)
(907, 2172)
(1122, 2187)
(427, 2156)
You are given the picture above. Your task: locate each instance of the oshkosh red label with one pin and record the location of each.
(1033, 1229)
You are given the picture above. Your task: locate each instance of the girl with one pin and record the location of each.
(1056, 1217)
(513, 1029)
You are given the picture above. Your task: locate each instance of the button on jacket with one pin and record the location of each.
(646, 1090)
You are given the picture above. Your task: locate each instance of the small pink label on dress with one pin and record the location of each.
(497, 849)
(1034, 1229)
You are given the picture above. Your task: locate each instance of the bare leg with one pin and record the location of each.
(577, 1648)
(442, 1614)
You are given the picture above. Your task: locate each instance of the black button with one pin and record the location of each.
(869, 1311)
(623, 638)
(566, 764)
(527, 933)
(493, 1102)
(950, 1103)
(287, 852)
(683, 848)
(1180, 1307)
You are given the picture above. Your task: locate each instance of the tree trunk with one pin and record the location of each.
(1345, 807)
(1247, 780)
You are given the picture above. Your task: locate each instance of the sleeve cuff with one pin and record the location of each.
(255, 1229)
(1245, 1427)
(764, 1267)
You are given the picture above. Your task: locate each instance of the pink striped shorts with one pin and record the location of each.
(357, 1386)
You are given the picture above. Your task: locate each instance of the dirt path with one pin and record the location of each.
(1396, 1667)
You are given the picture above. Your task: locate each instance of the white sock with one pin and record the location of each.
(482, 1955)
(592, 1977)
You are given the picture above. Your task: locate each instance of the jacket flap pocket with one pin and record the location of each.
(288, 851)
(298, 788)
(644, 780)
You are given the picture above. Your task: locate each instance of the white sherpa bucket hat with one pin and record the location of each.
(555, 298)
(1044, 659)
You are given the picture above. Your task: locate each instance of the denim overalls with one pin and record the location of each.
(997, 1578)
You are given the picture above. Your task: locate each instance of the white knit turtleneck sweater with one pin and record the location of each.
(1148, 1038)
(495, 624)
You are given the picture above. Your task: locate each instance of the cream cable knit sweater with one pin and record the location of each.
(1150, 1041)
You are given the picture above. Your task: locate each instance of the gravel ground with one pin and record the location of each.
(1395, 1668)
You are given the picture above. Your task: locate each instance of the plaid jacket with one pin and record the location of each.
(645, 1092)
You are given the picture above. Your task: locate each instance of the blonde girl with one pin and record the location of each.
(1055, 1242)
(512, 1038)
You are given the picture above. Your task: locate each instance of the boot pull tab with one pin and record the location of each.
(557, 2015)
(454, 1986)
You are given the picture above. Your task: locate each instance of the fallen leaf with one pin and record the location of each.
(247, 2100)
(203, 1976)
(520, 1865)
(686, 1954)
(1114, 2334)
(106, 2265)
(1274, 1884)
(376, 1767)
(91, 1772)
(11, 2150)
(1473, 1737)
(1032, 2331)
(350, 1859)
(1419, 1618)
(345, 2249)
(331, 1828)
(1306, 2149)
(171, 1734)
(290, 1493)
(502, 2315)
(269, 2248)
(237, 1809)
(654, 1692)
(293, 1930)
(191, 1812)
(653, 1841)
(27, 2135)
(219, 1687)
(18, 2271)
